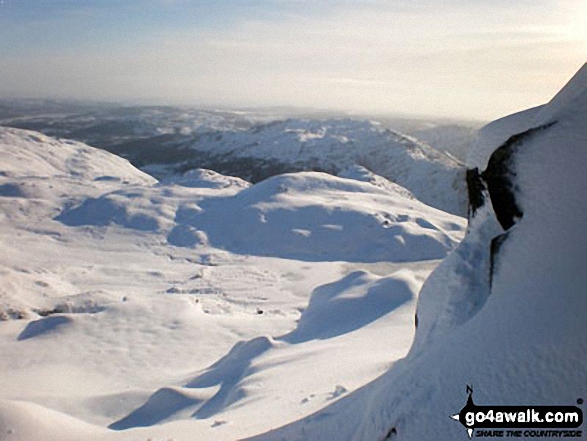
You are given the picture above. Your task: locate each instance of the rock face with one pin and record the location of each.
(505, 312)
(529, 161)
(507, 308)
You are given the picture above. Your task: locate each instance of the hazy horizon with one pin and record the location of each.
(476, 60)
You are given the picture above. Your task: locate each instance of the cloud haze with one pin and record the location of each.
(478, 59)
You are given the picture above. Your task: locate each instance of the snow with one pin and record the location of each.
(496, 133)
(200, 178)
(568, 99)
(515, 332)
(316, 216)
(200, 306)
(454, 139)
(338, 144)
(166, 141)
(203, 307)
(67, 159)
(565, 103)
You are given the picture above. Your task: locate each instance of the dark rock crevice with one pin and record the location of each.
(498, 182)
(476, 190)
(500, 177)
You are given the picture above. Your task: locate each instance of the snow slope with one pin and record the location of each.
(455, 139)
(200, 307)
(335, 145)
(505, 313)
(253, 145)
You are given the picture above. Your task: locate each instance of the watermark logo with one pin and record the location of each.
(510, 421)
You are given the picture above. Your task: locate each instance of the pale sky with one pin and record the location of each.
(479, 59)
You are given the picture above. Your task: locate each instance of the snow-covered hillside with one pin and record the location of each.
(167, 141)
(505, 312)
(455, 139)
(202, 307)
(335, 145)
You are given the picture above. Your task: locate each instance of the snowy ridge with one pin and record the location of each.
(26, 152)
(569, 100)
(168, 309)
(453, 139)
(433, 177)
(167, 141)
(496, 133)
(506, 319)
(212, 309)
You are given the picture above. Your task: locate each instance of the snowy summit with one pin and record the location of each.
(306, 306)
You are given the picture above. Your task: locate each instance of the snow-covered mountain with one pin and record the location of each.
(505, 312)
(167, 141)
(334, 146)
(455, 139)
(205, 307)
(202, 306)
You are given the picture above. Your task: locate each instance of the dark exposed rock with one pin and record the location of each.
(500, 177)
(392, 432)
(499, 182)
(475, 188)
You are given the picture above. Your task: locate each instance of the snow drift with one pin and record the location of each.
(218, 321)
(166, 309)
(505, 312)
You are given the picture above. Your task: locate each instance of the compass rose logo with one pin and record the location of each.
(462, 415)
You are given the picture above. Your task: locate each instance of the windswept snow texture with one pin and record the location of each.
(345, 305)
(199, 307)
(507, 319)
(342, 220)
